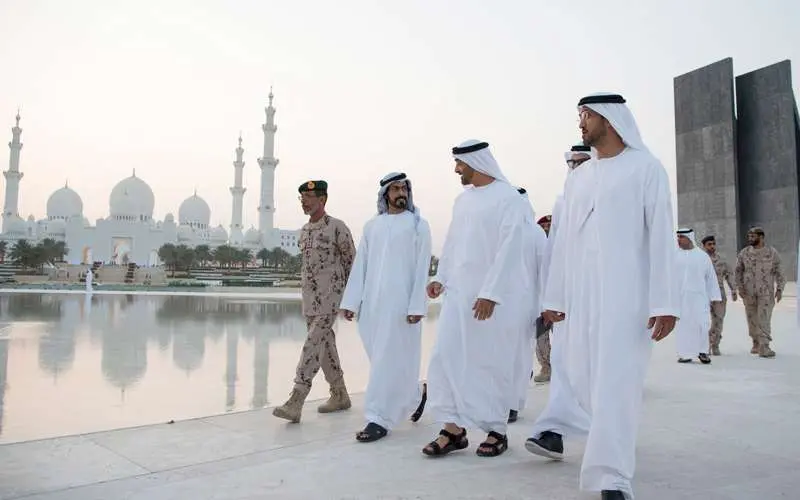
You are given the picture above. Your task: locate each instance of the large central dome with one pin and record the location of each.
(132, 198)
(64, 204)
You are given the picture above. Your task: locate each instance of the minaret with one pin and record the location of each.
(13, 176)
(268, 162)
(237, 191)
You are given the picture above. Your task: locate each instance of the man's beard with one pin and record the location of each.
(754, 243)
(400, 203)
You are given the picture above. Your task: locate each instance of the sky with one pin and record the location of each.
(362, 88)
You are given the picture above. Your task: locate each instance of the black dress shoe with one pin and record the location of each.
(612, 495)
(549, 444)
(703, 357)
(512, 416)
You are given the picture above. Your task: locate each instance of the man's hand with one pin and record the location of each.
(348, 315)
(483, 309)
(661, 326)
(734, 296)
(413, 319)
(778, 295)
(553, 316)
(434, 289)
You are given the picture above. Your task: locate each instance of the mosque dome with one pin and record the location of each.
(219, 234)
(64, 203)
(17, 226)
(194, 211)
(31, 218)
(252, 235)
(131, 198)
(169, 217)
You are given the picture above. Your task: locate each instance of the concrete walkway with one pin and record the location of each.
(726, 431)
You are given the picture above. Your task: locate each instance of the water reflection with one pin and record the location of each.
(131, 337)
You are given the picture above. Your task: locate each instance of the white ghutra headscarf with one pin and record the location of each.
(477, 155)
(612, 107)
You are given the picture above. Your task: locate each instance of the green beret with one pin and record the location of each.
(313, 186)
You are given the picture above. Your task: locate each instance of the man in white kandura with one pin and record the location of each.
(698, 289)
(612, 282)
(386, 290)
(482, 275)
(534, 253)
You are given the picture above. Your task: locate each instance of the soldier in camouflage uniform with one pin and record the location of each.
(328, 252)
(543, 335)
(760, 282)
(718, 309)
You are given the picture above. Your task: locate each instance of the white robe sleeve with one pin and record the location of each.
(418, 302)
(555, 273)
(664, 296)
(506, 268)
(542, 262)
(444, 259)
(712, 285)
(354, 291)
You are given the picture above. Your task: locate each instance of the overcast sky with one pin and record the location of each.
(361, 87)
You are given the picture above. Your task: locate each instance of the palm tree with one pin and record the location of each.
(203, 254)
(169, 256)
(264, 256)
(280, 256)
(224, 255)
(21, 253)
(185, 257)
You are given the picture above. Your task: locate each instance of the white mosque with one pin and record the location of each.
(130, 234)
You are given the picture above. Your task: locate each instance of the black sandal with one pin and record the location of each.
(494, 449)
(454, 443)
(372, 432)
(421, 408)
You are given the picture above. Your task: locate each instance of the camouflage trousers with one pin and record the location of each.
(759, 317)
(717, 318)
(543, 351)
(319, 351)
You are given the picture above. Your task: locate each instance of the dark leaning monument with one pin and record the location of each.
(738, 157)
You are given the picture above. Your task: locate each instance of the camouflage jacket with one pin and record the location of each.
(328, 252)
(758, 271)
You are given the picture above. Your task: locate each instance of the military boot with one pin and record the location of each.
(715, 350)
(764, 351)
(293, 408)
(755, 348)
(338, 401)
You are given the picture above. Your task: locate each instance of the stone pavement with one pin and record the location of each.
(725, 431)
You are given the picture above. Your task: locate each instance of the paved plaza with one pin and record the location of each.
(726, 431)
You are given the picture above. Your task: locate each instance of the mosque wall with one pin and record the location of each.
(768, 158)
(705, 137)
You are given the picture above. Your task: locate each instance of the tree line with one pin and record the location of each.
(183, 257)
(27, 255)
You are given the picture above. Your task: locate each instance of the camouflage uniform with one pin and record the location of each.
(328, 252)
(543, 355)
(718, 308)
(758, 273)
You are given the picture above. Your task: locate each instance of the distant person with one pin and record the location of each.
(699, 289)
(760, 282)
(718, 309)
(386, 292)
(535, 251)
(611, 280)
(327, 251)
(482, 276)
